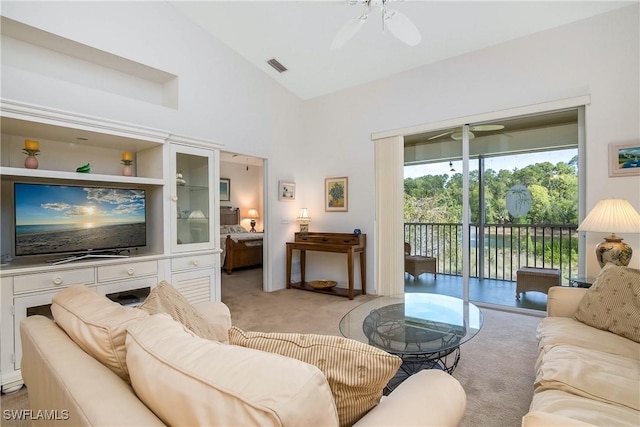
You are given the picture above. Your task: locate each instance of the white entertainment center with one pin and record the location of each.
(182, 242)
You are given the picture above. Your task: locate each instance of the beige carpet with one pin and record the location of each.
(495, 368)
(14, 402)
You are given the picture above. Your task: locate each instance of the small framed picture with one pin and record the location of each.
(286, 190)
(336, 194)
(624, 159)
(225, 189)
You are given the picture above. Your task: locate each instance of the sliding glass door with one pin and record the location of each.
(491, 198)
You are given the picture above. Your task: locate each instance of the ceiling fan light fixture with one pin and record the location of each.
(398, 23)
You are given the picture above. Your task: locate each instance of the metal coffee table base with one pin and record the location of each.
(413, 363)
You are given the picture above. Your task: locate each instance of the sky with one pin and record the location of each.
(510, 163)
(56, 204)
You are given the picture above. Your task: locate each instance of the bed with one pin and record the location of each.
(240, 248)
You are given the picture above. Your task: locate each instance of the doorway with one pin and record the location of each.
(242, 219)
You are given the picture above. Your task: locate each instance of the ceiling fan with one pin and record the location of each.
(457, 132)
(397, 23)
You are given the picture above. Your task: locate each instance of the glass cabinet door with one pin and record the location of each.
(192, 208)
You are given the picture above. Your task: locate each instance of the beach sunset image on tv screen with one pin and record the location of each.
(58, 218)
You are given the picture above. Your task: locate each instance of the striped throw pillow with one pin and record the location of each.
(612, 303)
(356, 372)
(165, 299)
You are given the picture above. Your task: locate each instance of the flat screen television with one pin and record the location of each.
(81, 220)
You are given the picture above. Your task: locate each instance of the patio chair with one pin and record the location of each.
(415, 265)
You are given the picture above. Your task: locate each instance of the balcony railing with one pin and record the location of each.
(499, 251)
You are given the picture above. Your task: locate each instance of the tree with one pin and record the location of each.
(427, 209)
(425, 186)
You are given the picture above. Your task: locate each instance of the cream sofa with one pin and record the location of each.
(584, 376)
(174, 377)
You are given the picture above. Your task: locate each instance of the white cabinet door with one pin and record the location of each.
(197, 285)
(192, 198)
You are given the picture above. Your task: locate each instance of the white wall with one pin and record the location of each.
(224, 99)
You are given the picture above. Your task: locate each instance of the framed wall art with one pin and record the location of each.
(225, 189)
(624, 159)
(336, 194)
(286, 190)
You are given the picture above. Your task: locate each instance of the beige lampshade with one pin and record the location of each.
(303, 216)
(612, 216)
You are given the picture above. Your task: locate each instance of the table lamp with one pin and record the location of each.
(253, 214)
(611, 216)
(304, 219)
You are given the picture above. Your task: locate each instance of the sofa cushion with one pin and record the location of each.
(166, 299)
(356, 372)
(539, 418)
(96, 324)
(188, 381)
(554, 331)
(592, 374)
(583, 409)
(613, 302)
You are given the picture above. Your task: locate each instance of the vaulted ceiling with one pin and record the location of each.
(299, 34)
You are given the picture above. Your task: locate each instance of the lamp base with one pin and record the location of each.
(304, 228)
(253, 226)
(613, 250)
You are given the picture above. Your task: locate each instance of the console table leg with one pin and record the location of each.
(303, 265)
(289, 252)
(350, 271)
(363, 272)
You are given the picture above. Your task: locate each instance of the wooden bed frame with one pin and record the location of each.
(245, 253)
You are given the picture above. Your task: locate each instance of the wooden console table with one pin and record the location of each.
(345, 243)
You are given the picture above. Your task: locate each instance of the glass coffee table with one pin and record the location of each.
(424, 330)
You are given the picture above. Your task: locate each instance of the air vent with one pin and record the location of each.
(276, 65)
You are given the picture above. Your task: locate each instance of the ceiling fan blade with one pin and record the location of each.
(485, 128)
(442, 134)
(348, 30)
(402, 27)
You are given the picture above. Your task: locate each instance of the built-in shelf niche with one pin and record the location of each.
(63, 149)
(33, 50)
